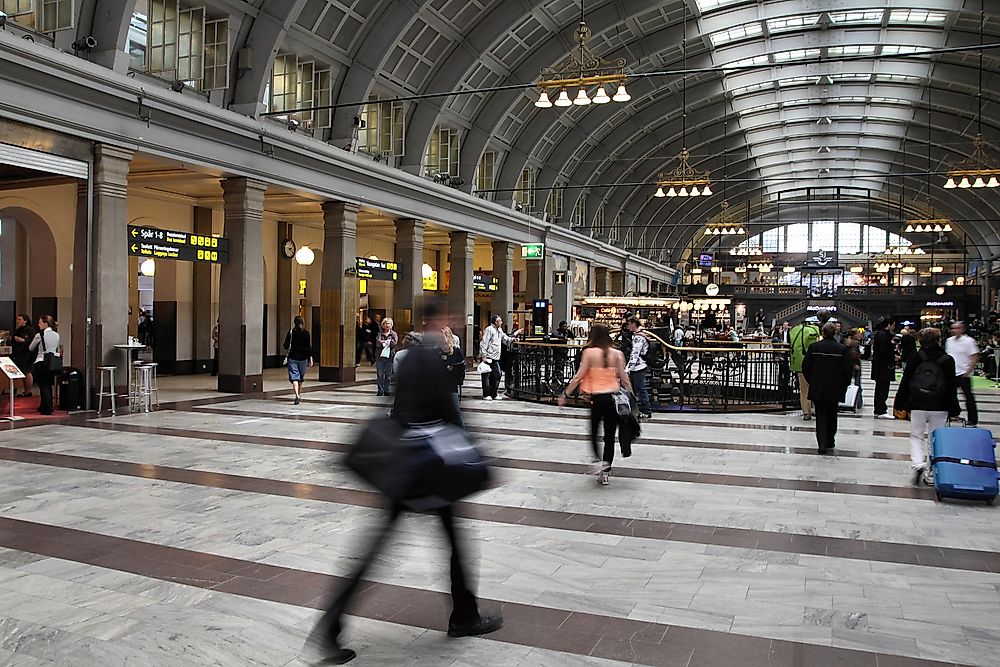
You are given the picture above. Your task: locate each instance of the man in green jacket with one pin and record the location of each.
(801, 336)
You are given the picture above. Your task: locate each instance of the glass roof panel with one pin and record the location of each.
(736, 33)
(709, 5)
(917, 16)
(858, 16)
(787, 23)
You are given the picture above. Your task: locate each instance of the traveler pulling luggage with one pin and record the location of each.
(852, 398)
(964, 463)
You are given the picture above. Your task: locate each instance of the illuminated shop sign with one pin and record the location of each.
(184, 247)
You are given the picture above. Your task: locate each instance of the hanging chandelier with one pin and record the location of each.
(683, 181)
(974, 172)
(905, 250)
(724, 224)
(919, 225)
(746, 252)
(581, 70)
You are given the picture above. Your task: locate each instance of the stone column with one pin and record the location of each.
(538, 281)
(602, 280)
(241, 288)
(339, 292)
(503, 270)
(562, 294)
(202, 322)
(617, 283)
(461, 301)
(109, 259)
(408, 291)
(283, 278)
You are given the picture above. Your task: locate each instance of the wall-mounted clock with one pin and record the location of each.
(288, 248)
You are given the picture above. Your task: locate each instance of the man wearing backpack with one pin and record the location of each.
(801, 336)
(965, 352)
(928, 391)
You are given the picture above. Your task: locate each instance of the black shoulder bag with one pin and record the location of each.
(53, 363)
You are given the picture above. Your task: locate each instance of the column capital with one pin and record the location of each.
(340, 207)
(240, 186)
(111, 167)
(462, 243)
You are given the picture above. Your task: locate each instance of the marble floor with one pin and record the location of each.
(211, 531)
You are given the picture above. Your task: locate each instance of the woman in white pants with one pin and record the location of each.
(929, 392)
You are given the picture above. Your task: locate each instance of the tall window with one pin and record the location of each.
(304, 88)
(191, 45)
(851, 238)
(161, 48)
(525, 193)
(284, 82)
(614, 233)
(216, 70)
(554, 206)
(179, 44)
(598, 227)
(21, 12)
(322, 96)
(823, 235)
(384, 131)
(55, 15)
(579, 210)
(797, 237)
(442, 152)
(484, 174)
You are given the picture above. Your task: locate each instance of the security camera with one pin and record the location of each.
(456, 181)
(441, 178)
(88, 43)
(293, 124)
(177, 86)
(3, 21)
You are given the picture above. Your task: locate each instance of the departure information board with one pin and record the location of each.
(182, 246)
(377, 269)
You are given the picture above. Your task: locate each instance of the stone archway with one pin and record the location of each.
(28, 266)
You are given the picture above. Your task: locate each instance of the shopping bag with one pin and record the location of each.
(484, 367)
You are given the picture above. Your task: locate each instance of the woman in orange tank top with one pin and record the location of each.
(601, 374)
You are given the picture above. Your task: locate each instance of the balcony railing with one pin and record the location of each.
(714, 378)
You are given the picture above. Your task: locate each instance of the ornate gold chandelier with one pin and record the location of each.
(579, 71)
(724, 223)
(683, 181)
(974, 172)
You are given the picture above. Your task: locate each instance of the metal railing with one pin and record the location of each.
(731, 378)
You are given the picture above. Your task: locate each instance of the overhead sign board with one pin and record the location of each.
(532, 251)
(182, 246)
(821, 259)
(377, 269)
(484, 282)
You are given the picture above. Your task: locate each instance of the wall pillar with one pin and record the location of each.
(602, 280)
(503, 270)
(617, 283)
(202, 322)
(241, 288)
(110, 260)
(461, 301)
(286, 304)
(339, 292)
(408, 290)
(562, 294)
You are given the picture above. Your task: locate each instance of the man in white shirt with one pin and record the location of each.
(490, 347)
(636, 366)
(965, 352)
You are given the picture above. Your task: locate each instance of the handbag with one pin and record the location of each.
(53, 363)
(622, 402)
(423, 468)
(484, 367)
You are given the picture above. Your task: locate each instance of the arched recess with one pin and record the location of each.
(35, 262)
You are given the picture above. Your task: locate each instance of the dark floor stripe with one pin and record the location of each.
(577, 633)
(499, 430)
(839, 547)
(819, 486)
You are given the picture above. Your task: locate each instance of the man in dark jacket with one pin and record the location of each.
(423, 398)
(883, 365)
(828, 369)
(928, 391)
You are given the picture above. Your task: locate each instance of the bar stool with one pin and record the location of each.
(143, 382)
(133, 397)
(154, 394)
(107, 372)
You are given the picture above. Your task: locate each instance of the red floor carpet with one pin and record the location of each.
(27, 407)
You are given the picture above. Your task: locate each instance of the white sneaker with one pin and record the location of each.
(487, 398)
(499, 397)
(885, 416)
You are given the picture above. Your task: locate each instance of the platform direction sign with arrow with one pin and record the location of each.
(182, 246)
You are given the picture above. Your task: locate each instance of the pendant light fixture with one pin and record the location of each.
(581, 71)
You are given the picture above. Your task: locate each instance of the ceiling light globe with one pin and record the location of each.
(706, 191)
(601, 97)
(964, 183)
(563, 99)
(909, 228)
(148, 268)
(993, 182)
(980, 183)
(950, 183)
(582, 99)
(305, 256)
(694, 191)
(671, 192)
(622, 94)
(683, 192)
(543, 101)
(660, 192)
(946, 228)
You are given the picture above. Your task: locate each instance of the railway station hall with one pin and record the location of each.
(499, 333)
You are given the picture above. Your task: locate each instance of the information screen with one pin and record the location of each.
(482, 282)
(377, 269)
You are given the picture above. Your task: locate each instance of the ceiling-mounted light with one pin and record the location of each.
(148, 268)
(621, 95)
(696, 271)
(305, 256)
(686, 179)
(563, 99)
(950, 283)
(426, 271)
(964, 183)
(857, 268)
(716, 269)
(582, 99)
(993, 182)
(660, 193)
(682, 192)
(789, 269)
(979, 183)
(950, 183)
(937, 269)
(909, 229)
(671, 192)
(740, 269)
(543, 101)
(694, 191)
(909, 268)
(601, 97)
(939, 291)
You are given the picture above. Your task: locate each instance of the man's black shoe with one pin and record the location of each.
(483, 625)
(338, 656)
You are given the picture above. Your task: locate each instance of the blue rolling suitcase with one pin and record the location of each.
(965, 464)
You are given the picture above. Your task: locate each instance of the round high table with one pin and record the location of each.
(126, 349)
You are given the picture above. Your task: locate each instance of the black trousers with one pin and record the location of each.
(826, 424)
(603, 409)
(972, 412)
(881, 396)
(44, 379)
(491, 380)
(465, 608)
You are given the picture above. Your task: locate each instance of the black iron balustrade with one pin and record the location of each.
(715, 378)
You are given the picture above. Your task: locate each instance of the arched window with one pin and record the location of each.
(851, 239)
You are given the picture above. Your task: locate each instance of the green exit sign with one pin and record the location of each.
(532, 250)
